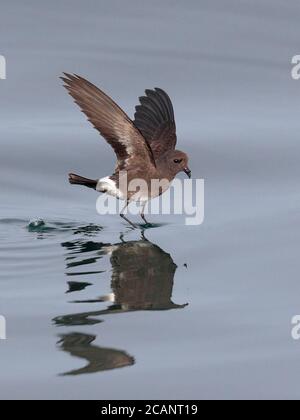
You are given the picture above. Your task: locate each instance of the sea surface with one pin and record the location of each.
(95, 309)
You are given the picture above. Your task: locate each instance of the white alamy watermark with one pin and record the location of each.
(181, 197)
(296, 327)
(2, 67)
(2, 328)
(296, 67)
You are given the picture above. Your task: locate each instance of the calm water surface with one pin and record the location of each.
(97, 310)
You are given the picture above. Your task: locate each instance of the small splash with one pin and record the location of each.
(41, 226)
(38, 225)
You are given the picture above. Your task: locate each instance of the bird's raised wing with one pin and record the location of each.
(110, 120)
(154, 117)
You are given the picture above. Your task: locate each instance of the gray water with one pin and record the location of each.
(198, 312)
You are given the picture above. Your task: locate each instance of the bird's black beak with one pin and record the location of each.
(188, 172)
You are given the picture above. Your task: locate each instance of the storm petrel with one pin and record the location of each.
(145, 147)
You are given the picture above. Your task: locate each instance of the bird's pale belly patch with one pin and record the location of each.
(138, 193)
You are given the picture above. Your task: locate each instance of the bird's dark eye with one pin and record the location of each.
(177, 160)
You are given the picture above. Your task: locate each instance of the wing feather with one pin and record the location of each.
(110, 120)
(154, 118)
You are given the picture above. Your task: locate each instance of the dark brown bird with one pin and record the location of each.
(145, 147)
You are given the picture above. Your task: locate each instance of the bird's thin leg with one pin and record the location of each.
(124, 217)
(143, 235)
(143, 215)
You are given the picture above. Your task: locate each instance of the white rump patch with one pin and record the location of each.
(109, 186)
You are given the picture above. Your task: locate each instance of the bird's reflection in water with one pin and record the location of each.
(142, 279)
(98, 358)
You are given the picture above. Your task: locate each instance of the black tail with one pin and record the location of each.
(80, 180)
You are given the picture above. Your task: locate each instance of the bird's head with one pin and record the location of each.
(178, 162)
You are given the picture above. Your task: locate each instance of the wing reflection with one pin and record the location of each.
(98, 358)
